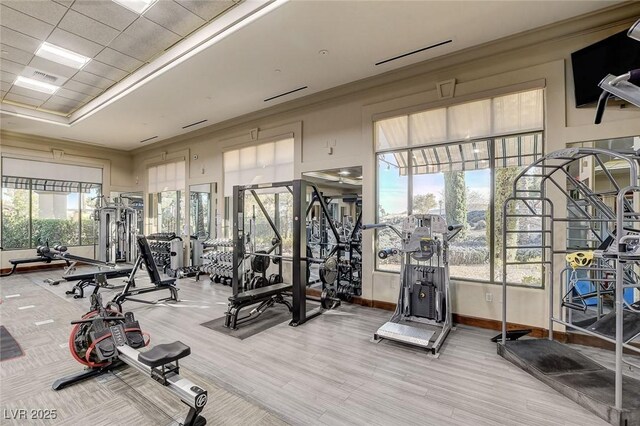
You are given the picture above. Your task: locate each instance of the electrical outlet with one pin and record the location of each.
(488, 297)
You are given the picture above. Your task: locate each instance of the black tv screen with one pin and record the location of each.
(613, 55)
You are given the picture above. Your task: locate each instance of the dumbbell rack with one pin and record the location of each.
(217, 260)
(166, 249)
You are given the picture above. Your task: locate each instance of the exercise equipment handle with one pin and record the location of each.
(455, 227)
(374, 226)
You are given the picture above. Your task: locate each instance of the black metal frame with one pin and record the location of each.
(145, 257)
(269, 295)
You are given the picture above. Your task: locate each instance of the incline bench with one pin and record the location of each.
(87, 279)
(266, 296)
(146, 257)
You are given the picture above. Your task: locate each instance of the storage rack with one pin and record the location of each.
(166, 249)
(217, 260)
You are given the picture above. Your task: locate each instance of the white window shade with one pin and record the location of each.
(428, 127)
(166, 177)
(518, 112)
(392, 133)
(470, 120)
(264, 163)
(43, 170)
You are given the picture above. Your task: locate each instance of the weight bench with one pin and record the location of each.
(145, 256)
(41, 259)
(265, 296)
(87, 279)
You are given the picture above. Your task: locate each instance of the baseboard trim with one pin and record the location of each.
(31, 268)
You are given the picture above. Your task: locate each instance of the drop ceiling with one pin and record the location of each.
(296, 49)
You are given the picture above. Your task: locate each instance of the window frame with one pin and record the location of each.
(30, 245)
(492, 166)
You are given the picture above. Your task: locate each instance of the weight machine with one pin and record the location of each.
(250, 267)
(117, 228)
(423, 312)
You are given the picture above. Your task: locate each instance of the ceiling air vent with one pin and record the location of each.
(148, 139)
(404, 55)
(285, 93)
(39, 75)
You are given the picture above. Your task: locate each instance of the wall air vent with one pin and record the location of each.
(404, 55)
(285, 93)
(194, 124)
(148, 139)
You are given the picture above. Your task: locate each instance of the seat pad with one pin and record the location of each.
(164, 354)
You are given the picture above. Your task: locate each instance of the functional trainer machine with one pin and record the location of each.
(105, 339)
(423, 313)
(117, 228)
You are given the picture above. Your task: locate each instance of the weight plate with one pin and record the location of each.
(329, 270)
(260, 282)
(260, 264)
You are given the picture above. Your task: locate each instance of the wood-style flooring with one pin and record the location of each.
(324, 372)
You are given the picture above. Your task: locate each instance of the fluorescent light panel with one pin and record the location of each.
(138, 6)
(39, 86)
(62, 56)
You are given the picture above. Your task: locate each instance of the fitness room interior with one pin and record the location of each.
(269, 212)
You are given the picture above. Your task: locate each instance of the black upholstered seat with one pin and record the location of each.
(164, 354)
(259, 293)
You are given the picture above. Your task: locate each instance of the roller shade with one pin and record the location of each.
(45, 170)
(264, 163)
(166, 177)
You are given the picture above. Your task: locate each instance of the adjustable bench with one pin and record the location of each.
(87, 279)
(145, 256)
(265, 296)
(40, 259)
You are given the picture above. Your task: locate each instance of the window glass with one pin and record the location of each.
(393, 206)
(171, 211)
(15, 215)
(89, 199)
(55, 213)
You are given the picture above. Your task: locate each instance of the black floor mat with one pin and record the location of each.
(607, 325)
(9, 348)
(271, 317)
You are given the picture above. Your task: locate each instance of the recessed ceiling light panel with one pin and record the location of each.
(137, 6)
(39, 86)
(62, 56)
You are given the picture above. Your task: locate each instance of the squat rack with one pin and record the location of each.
(615, 227)
(304, 194)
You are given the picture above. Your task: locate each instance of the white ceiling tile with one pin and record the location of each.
(25, 24)
(7, 77)
(22, 99)
(15, 55)
(174, 17)
(119, 60)
(12, 67)
(88, 28)
(4, 86)
(144, 40)
(76, 86)
(60, 104)
(107, 12)
(93, 80)
(44, 10)
(206, 9)
(74, 43)
(29, 93)
(75, 96)
(19, 40)
(51, 67)
(104, 70)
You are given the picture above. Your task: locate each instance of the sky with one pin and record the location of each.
(393, 187)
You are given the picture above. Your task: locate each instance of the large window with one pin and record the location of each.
(37, 211)
(460, 162)
(165, 186)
